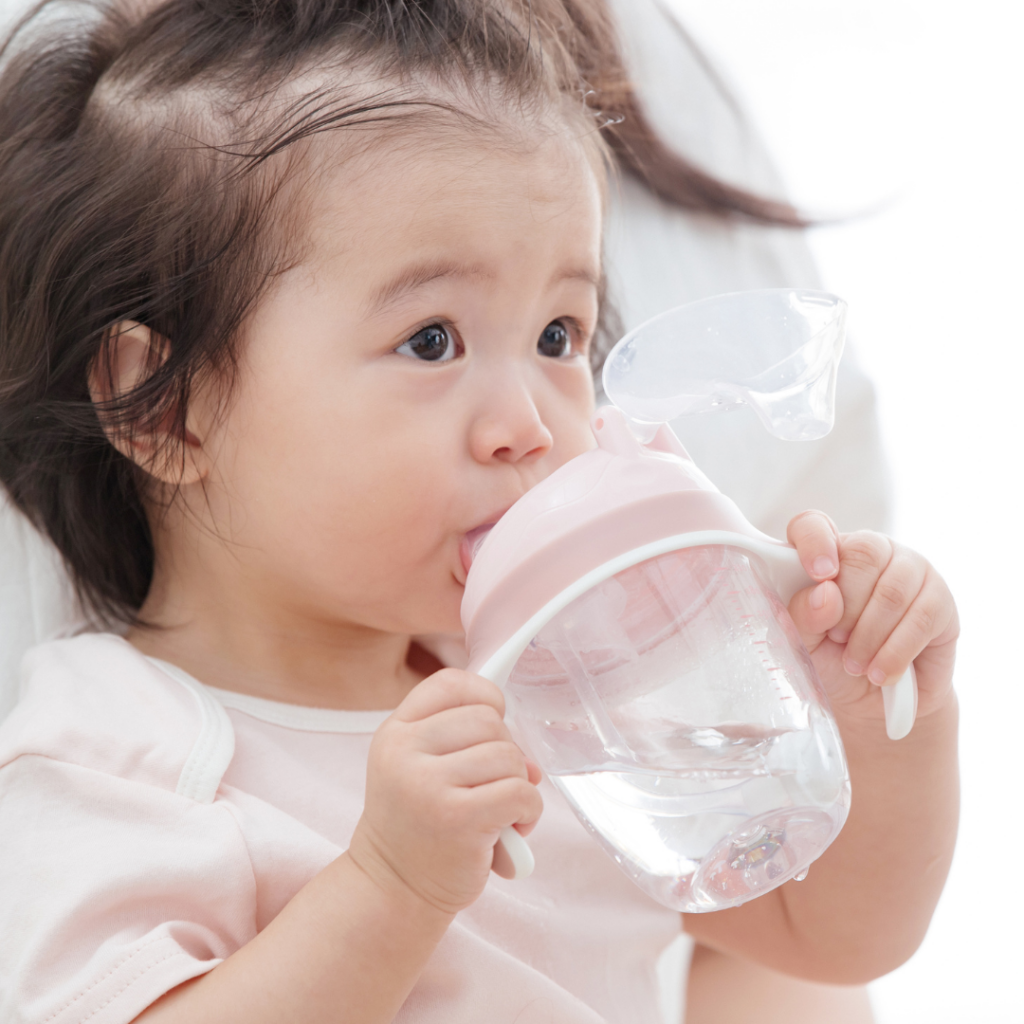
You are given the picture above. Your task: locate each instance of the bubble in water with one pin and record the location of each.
(709, 738)
(761, 846)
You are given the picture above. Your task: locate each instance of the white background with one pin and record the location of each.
(913, 109)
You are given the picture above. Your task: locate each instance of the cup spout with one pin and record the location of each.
(776, 350)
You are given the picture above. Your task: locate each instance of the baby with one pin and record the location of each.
(295, 295)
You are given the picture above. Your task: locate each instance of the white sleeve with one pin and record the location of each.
(112, 892)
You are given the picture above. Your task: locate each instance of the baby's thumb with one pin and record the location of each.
(815, 610)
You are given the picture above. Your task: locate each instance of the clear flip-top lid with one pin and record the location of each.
(776, 350)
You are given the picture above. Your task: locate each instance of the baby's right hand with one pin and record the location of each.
(443, 778)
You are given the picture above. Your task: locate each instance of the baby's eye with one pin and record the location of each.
(555, 340)
(433, 344)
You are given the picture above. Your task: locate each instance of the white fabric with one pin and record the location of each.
(151, 830)
(36, 601)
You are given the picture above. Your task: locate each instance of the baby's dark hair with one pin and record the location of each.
(146, 154)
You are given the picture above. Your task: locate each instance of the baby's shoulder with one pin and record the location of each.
(96, 702)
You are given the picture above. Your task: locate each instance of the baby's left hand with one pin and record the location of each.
(878, 607)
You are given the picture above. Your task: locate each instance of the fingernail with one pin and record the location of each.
(839, 636)
(853, 669)
(823, 566)
(818, 597)
(877, 676)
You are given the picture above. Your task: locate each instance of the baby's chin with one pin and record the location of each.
(441, 617)
(425, 611)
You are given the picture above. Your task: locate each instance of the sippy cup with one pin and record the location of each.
(637, 622)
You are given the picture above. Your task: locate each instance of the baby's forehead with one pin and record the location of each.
(434, 151)
(412, 190)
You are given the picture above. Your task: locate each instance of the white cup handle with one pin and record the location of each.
(900, 701)
(512, 847)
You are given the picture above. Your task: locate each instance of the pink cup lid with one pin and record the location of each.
(612, 507)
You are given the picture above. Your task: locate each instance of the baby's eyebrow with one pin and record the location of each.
(418, 274)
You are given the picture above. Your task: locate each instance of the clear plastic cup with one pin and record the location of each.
(677, 710)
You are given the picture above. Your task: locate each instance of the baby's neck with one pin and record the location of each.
(313, 664)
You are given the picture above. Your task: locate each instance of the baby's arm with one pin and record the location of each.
(724, 989)
(867, 902)
(443, 778)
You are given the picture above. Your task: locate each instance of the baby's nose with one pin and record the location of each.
(510, 429)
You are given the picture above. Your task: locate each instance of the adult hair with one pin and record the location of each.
(147, 164)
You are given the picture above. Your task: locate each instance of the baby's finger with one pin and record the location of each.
(895, 591)
(507, 801)
(449, 688)
(816, 540)
(815, 610)
(503, 863)
(917, 628)
(863, 557)
(484, 763)
(458, 728)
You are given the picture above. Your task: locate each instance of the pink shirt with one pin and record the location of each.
(150, 826)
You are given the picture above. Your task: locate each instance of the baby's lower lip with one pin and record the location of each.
(470, 542)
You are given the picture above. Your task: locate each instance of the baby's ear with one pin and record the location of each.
(130, 354)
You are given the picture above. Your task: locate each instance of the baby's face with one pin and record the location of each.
(423, 368)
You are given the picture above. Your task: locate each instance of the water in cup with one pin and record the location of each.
(677, 710)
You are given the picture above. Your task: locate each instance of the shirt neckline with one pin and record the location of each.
(289, 716)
